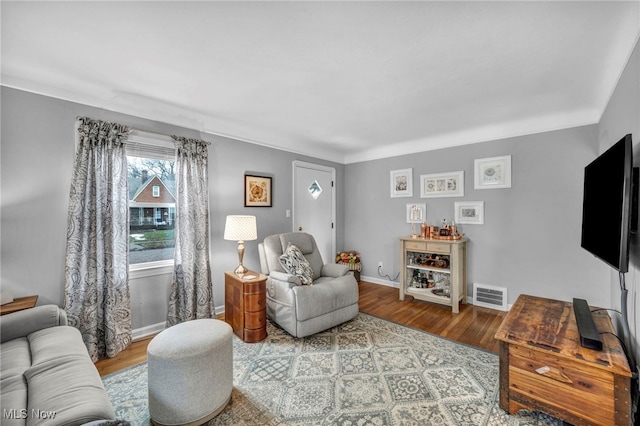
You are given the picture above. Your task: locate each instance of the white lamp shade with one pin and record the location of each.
(240, 228)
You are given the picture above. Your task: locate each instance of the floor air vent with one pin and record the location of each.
(489, 296)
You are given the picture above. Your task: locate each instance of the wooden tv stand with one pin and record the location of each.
(543, 367)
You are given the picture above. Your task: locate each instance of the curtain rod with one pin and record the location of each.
(147, 134)
(143, 133)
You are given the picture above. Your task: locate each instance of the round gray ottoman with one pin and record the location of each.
(190, 367)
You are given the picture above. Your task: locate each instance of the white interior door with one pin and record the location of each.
(314, 210)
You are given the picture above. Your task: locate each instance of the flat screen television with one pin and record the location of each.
(609, 211)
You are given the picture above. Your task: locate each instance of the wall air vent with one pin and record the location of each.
(489, 296)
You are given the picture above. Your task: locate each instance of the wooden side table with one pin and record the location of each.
(544, 367)
(453, 272)
(245, 307)
(18, 304)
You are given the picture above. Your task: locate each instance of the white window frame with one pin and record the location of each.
(156, 191)
(149, 144)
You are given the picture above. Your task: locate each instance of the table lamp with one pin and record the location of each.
(240, 228)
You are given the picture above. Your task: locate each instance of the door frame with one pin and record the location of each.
(332, 170)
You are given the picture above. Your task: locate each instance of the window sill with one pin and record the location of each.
(150, 269)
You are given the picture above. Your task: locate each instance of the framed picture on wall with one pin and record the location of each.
(470, 212)
(401, 183)
(450, 184)
(492, 173)
(416, 212)
(257, 191)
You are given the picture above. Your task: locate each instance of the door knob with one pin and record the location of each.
(299, 228)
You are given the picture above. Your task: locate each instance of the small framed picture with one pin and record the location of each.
(401, 183)
(492, 173)
(450, 184)
(257, 191)
(470, 212)
(416, 212)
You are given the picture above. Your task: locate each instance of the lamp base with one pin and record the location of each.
(241, 270)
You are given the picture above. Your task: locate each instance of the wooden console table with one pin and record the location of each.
(544, 367)
(453, 272)
(18, 304)
(245, 305)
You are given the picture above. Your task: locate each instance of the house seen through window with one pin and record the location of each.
(152, 209)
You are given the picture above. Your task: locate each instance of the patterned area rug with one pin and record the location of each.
(368, 371)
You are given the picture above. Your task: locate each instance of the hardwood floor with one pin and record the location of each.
(473, 326)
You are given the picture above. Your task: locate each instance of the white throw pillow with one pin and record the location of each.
(294, 262)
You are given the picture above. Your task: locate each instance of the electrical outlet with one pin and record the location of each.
(380, 264)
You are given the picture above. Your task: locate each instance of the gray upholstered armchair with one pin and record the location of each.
(303, 310)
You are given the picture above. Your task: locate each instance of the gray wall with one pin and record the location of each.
(622, 116)
(37, 156)
(530, 241)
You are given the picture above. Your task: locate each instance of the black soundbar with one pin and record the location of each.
(589, 336)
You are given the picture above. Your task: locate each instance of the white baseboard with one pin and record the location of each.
(219, 310)
(148, 330)
(142, 332)
(379, 281)
(397, 285)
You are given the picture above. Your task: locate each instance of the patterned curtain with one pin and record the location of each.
(97, 260)
(191, 294)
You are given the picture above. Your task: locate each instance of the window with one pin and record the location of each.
(152, 207)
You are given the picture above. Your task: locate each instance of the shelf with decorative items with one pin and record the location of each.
(351, 258)
(434, 270)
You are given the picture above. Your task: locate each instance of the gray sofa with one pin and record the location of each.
(46, 375)
(303, 310)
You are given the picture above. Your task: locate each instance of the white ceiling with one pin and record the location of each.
(343, 81)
